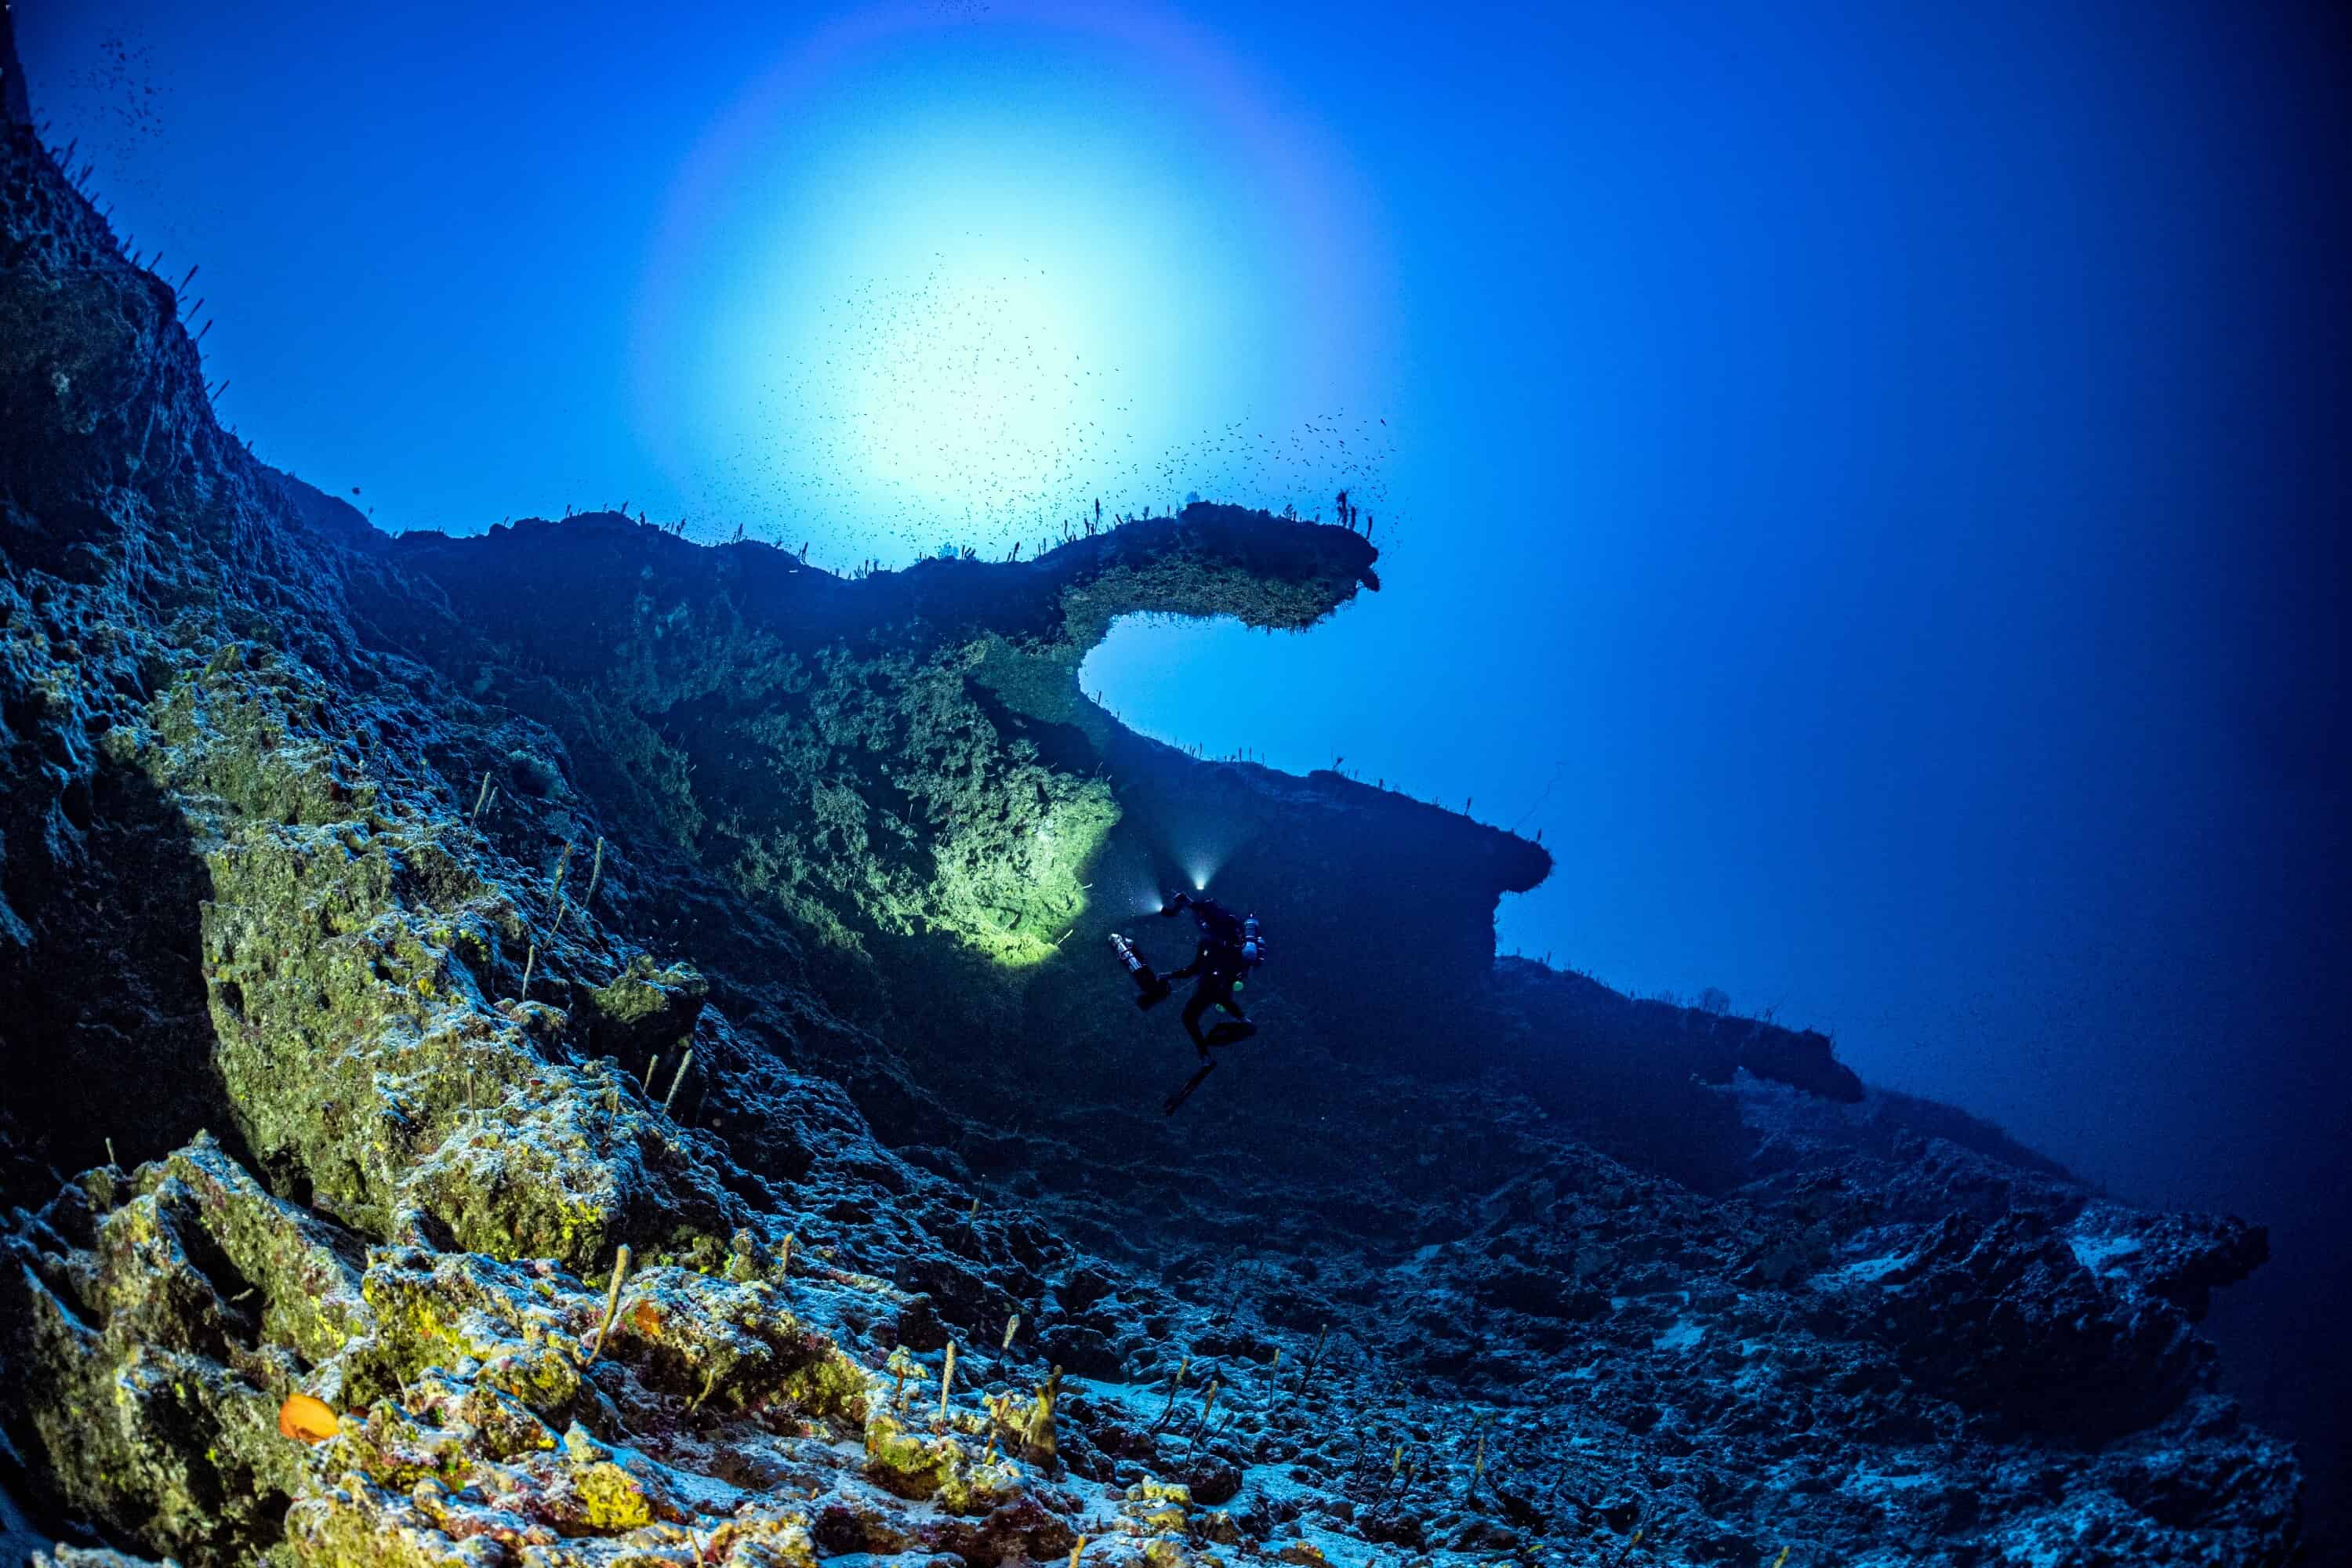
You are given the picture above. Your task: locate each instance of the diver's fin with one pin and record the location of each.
(1185, 1093)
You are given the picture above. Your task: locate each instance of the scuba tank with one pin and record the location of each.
(1149, 988)
(1128, 955)
(1253, 948)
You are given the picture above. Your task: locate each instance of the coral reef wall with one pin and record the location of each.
(627, 1027)
(904, 770)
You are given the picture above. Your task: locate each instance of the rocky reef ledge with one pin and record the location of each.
(623, 1026)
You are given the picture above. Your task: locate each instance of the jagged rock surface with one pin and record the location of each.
(391, 930)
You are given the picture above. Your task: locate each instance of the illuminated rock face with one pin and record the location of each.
(390, 932)
(904, 764)
(903, 769)
(905, 754)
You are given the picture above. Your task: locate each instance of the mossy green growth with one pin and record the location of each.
(395, 1450)
(144, 1364)
(940, 1468)
(448, 1310)
(729, 1344)
(1199, 586)
(358, 950)
(305, 1275)
(647, 1007)
(829, 1384)
(359, 1525)
(616, 1500)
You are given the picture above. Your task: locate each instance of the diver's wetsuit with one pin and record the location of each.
(1219, 963)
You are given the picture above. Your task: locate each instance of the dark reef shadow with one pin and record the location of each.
(106, 975)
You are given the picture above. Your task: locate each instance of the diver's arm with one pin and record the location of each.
(1199, 957)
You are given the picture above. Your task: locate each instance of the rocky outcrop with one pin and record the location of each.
(394, 931)
(947, 776)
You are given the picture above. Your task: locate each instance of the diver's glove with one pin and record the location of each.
(1175, 905)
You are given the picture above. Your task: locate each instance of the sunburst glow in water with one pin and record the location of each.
(953, 280)
(966, 385)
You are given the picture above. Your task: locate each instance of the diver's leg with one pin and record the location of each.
(1203, 997)
(1235, 1030)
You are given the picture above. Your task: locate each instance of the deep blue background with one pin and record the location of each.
(1868, 485)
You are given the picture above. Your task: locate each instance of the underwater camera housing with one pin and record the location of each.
(1151, 990)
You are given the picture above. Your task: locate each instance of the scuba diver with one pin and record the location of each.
(1229, 950)
(1230, 947)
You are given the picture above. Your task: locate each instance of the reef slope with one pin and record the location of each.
(392, 930)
